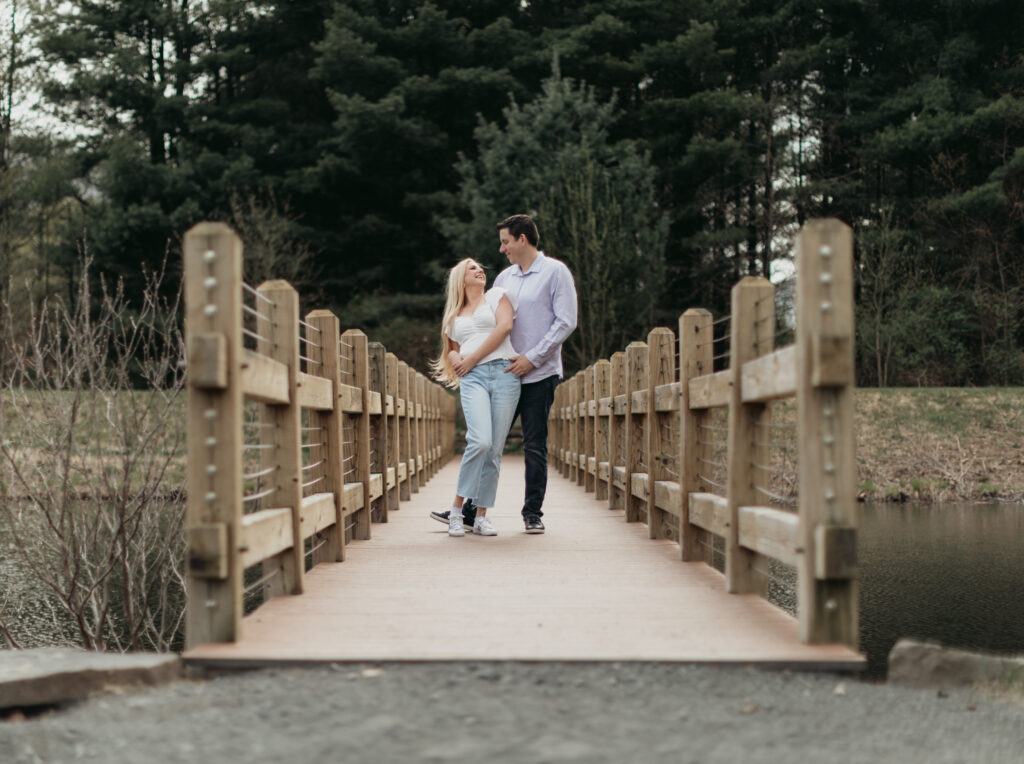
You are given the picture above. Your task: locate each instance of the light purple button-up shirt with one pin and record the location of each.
(545, 298)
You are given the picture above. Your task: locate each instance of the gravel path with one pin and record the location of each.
(514, 712)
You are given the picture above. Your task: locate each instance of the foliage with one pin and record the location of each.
(90, 472)
(347, 120)
(595, 207)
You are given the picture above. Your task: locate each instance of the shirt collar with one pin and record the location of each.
(536, 266)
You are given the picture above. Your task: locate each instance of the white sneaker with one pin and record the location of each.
(455, 527)
(482, 526)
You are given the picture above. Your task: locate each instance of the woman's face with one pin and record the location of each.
(475, 274)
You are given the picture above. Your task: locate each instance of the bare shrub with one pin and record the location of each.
(92, 456)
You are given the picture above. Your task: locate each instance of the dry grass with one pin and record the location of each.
(938, 444)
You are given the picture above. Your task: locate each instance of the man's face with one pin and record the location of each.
(510, 247)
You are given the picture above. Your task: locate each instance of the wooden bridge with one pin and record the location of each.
(680, 499)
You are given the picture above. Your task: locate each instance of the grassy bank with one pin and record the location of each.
(939, 444)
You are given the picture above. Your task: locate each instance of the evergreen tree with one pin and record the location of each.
(592, 198)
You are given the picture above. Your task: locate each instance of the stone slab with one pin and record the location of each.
(914, 663)
(48, 676)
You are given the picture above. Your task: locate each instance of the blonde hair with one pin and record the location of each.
(456, 290)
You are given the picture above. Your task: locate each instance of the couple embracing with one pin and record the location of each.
(503, 348)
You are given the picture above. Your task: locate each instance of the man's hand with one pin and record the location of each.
(520, 365)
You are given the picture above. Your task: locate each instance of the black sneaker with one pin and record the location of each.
(467, 517)
(533, 524)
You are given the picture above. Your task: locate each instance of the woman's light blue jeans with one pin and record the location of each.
(489, 399)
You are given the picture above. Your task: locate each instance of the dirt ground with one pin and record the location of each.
(530, 713)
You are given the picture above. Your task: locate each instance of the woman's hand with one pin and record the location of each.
(462, 366)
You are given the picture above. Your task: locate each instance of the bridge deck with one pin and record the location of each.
(591, 589)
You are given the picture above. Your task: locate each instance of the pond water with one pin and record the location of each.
(953, 573)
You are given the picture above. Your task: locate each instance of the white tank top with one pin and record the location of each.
(471, 331)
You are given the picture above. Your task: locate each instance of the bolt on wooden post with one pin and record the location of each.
(827, 569)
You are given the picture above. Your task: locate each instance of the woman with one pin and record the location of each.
(475, 348)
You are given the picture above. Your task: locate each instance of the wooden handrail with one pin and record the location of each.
(346, 433)
(635, 430)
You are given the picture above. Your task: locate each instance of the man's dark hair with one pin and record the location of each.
(520, 225)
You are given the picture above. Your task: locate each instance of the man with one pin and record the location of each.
(546, 315)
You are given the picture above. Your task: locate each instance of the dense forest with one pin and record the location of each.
(666, 148)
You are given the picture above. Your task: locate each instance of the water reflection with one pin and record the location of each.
(945, 572)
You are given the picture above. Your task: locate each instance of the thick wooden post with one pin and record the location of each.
(391, 480)
(590, 412)
(602, 396)
(661, 451)
(636, 440)
(355, 342)
(213, 318)
(753, 331)
(580, 411)
(571, 468)
(617, 433)
(281, 330)
(379, 431)
(331, 433)
(696, 353)
(405, 433)
(827, 569)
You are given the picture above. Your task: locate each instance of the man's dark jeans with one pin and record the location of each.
(535, 401)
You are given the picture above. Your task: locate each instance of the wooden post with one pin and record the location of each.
(590, 413)
(379, 431)
(580, 411)
(435, 456)
(573, 465)
(331, 424)
(414, 432)
(405, 433)
(617, 432)
(827, 574)
(213, 310)
(602, 393)
(636, 440)
(660, 448)
(391, 411)
(281, 330)
(696, 353)
(356, 344)
(565, 427)
(752, 335)
(421, 428)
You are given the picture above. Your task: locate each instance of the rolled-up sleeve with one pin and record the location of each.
(565, 309)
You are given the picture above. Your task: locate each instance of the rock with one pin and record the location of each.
(926, 664)
(51, 675)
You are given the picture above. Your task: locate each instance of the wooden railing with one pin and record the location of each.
(640, 430)
(299, 436)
